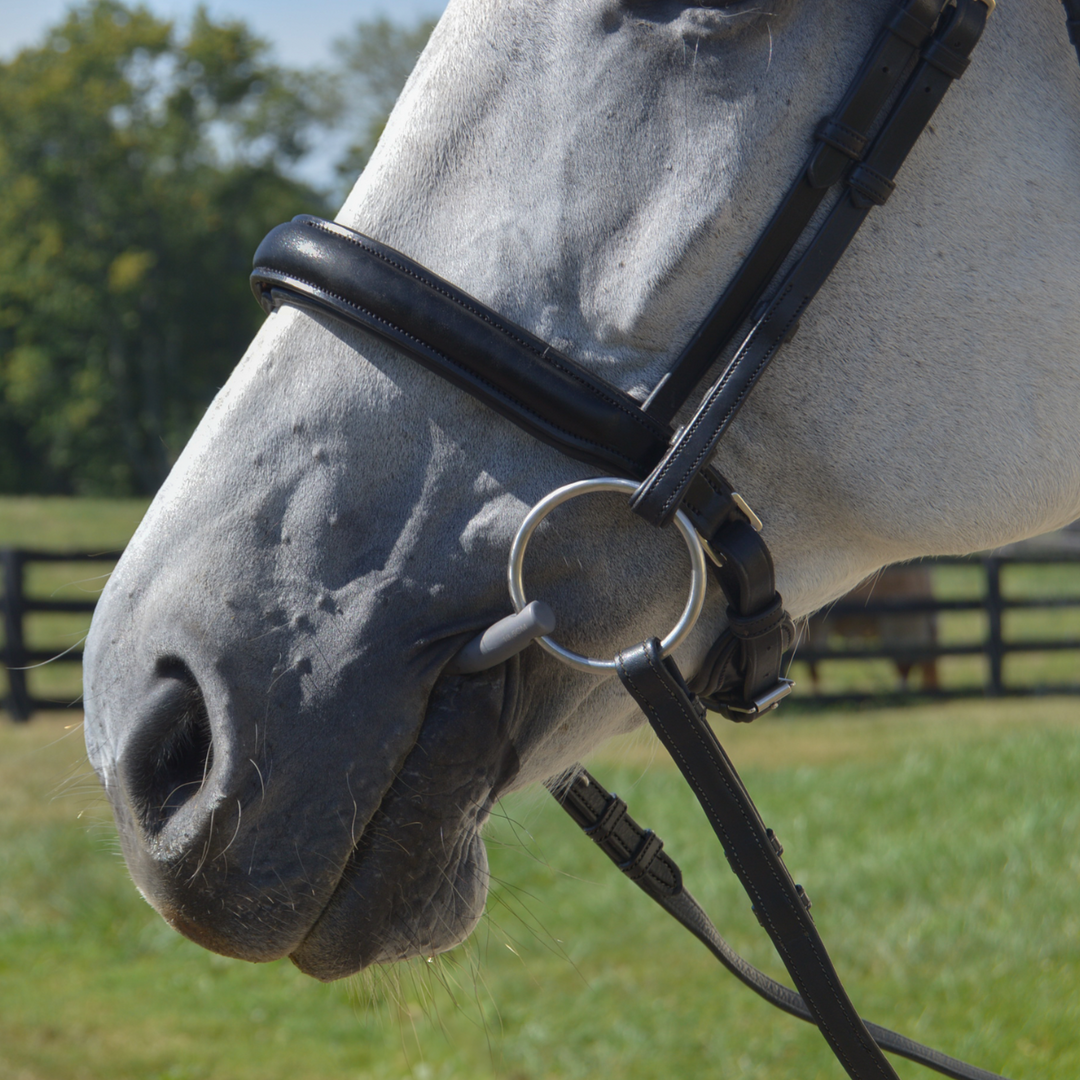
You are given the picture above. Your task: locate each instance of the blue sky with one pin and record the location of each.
(301, 30)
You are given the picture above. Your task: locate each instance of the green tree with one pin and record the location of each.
(375, 60)
(139, 168)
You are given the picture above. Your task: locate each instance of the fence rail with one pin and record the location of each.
(16, 656)
(995, 645)
(16, 604)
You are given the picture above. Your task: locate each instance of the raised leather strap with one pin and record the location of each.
(587, 802)
(659, 497)
(778, 903)
(841, 139)
(327, 267)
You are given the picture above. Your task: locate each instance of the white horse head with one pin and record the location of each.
(291, 770)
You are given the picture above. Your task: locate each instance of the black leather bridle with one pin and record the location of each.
(922, 49)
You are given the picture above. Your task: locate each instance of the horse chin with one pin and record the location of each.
(416, 881)
(395, 904)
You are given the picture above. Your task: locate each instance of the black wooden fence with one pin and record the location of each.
(15, 605)
(995, 645)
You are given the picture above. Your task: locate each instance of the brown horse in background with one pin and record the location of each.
(903, 631)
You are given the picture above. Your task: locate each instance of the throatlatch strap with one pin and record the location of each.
(639, 853)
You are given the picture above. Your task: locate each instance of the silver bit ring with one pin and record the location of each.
(698, 581)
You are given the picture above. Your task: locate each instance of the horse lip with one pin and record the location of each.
(356, 928)
(362, 902)
(187, 896)
(208, 938)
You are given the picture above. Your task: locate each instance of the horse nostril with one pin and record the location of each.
(171, 755)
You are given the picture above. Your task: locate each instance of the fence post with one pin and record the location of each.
(14, 655)
(995, 644)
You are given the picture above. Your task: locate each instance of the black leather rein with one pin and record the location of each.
(920, 51)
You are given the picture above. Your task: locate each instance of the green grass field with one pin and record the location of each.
(941, 846)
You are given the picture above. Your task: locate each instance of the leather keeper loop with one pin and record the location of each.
(939, 55)
(847, 140)
(871, 185)
(602, 830)
(908, 29)
(749, 627)
(637, 866)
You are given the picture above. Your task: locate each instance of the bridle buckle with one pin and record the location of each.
(768, 701)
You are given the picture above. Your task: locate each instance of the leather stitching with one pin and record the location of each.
(842, 137)
(606, 838)
(759, 623)
(496, 390)
(485, 317)
(718, 489)
(695, 425)
(867, 181)
(609, 820)
(780, 945)
(639, 863)
(657, 720)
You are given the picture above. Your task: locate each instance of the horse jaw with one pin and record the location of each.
(290, 771)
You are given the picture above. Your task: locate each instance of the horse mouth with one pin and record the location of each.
(368, 852)
(393, 903)
(416, 879)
